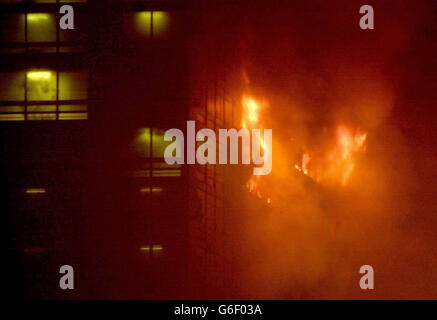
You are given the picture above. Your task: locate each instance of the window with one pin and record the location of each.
(152, 251)
(152, 24)
(42, 94)
(38, 32)
(157, 148)
(41, 27)
(12, 27)
(42, 1)
(150, 144)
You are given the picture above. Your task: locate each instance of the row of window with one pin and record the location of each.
(152, 251)
(41, 94)
(39, 32)
(42, 1)
(39, 28)
(41, 84)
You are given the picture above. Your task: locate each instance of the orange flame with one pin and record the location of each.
(251, 110)
(338, 164)
(251, 120)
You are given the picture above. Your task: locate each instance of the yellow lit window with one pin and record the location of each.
(67, 107)
(152, 24)
(35, 190)
(42, 94)
(54, 1)
(11, 117)
(41, 27)
(73, 86)
(160, 23)
(159, 144)
(41, 116)
(143, 23)
(166, 173)
(43, 1)
(73, 116)
(142, 142)
(150, 144)
(151, 190)
(40, 108)
(154, 250)
(41, 85)
(37, 32)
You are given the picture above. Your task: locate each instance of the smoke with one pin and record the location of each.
(318, 71)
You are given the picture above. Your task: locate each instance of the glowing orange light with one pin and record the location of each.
(252, 108)
(338, 163)
(305, 160)
(251, 119)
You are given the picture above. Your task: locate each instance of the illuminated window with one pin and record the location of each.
(152, 24)
(154, 250)
(41, 27)
(35, 191)
(42, 1)
(39, 32)
(149, 190)
(156, 148)
(159, 144)
(142, 142)
(61, 1)
(150, 144)
(73, 86)
(41, 94)
(41, 85)
(11, 1)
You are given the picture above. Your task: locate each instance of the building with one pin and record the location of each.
(82, 115)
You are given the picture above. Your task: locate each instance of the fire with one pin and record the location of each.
(251, 117)
(337, 164)
(304, 166)
(251, 120)
(305, 160)
(348, 144)
(332, 164)
(251, 110)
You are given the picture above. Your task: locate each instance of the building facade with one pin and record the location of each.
(83, 114)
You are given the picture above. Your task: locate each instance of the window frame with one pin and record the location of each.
(26, 103)
(53, 46)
